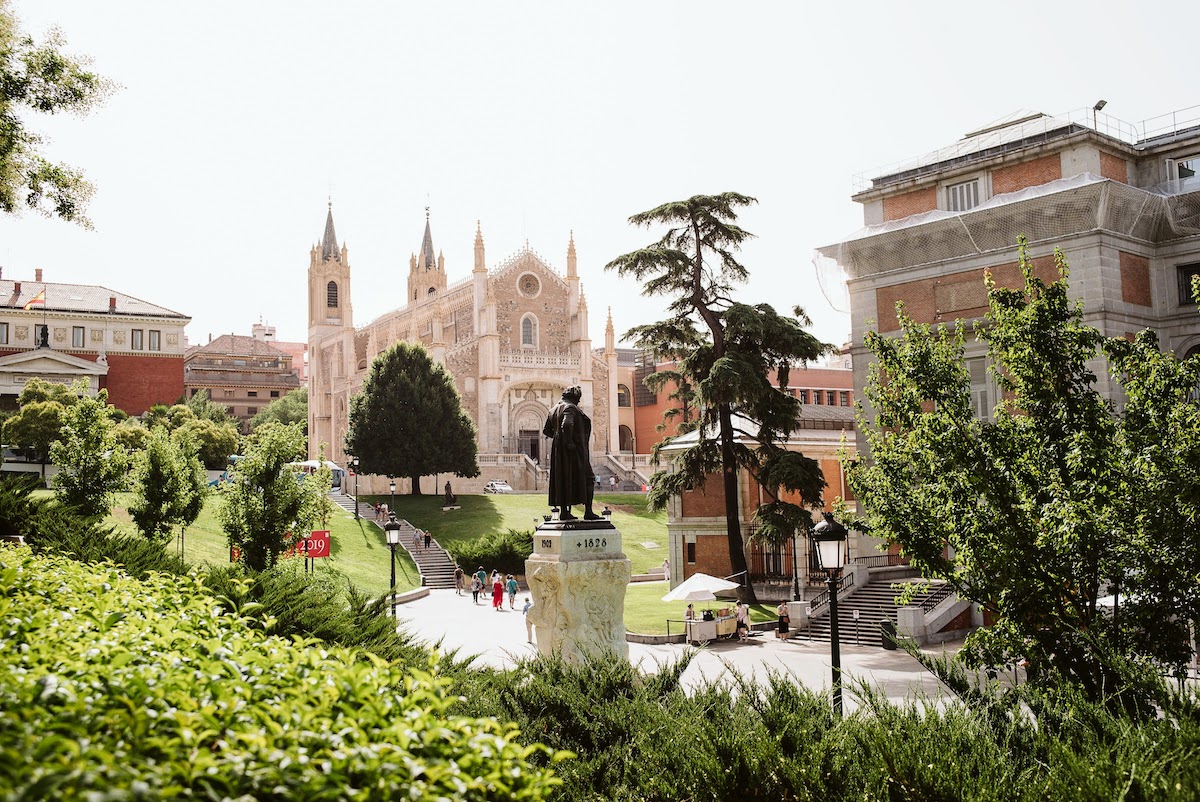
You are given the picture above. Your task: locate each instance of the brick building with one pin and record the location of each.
(66, 332)
(242, 373)
(512, 337)
(1121, 201)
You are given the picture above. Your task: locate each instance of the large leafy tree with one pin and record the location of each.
(92, 467)
(264, 501)
(724, 352)
(409, 419)
(292, 408)
(170, 484)
(39, 78)
(205, 408)
(1057, 501)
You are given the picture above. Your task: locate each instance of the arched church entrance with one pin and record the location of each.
(525, 427)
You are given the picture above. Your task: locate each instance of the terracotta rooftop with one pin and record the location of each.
(79, 298)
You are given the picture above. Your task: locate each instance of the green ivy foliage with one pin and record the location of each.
(118, 688)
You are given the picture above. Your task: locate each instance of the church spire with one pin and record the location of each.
(329, 248)
(571, 267)
(427, 245)
(480, 263)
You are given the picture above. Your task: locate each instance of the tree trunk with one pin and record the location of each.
(733, 519)
(416, 485)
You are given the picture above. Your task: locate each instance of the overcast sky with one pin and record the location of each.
(235, 122)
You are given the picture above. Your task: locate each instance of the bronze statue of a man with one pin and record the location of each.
(571, 478)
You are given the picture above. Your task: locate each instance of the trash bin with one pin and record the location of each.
(888, 632)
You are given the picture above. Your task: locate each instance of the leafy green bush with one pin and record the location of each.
(115, 688)
(504, 551)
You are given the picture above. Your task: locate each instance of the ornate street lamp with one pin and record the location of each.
(830, 537)
(392, 530)
(354, 467)
(392, 487)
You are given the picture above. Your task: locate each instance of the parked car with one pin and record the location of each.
(497, 487)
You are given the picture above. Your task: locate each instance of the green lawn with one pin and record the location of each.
(360, 554)
(643, 533)
(647, 613)
(358, 551)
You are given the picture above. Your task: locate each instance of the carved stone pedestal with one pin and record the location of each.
(577, 576)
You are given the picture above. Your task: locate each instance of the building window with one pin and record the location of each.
(331, 298)
(529, 332)
(1180, 172)
(252, 393)
(844, 398)
(1186, 272)
(77, 336)
(981, 393)
(816, 397)
(251, 410)
(623, 398)
(274, 393)
(135, 339)
(691, 551)
(3, 334)
(831, 398)
(155, 340)
(803, 396)
(960, 197)
(227, 393)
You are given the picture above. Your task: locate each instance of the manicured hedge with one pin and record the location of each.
(117, 688)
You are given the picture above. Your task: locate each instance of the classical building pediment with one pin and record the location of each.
(44, 363)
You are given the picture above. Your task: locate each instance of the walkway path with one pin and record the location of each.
(498, 639)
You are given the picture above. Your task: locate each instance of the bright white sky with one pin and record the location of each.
(236, 121)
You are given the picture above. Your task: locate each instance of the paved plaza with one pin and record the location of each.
(498, 639)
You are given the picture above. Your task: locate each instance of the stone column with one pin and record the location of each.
(577, 576)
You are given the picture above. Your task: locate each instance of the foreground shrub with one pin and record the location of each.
(115, 688)
(504, 551)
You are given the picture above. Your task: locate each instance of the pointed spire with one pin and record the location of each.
(427, 244)
(610, 335)
(571, 268)
(480, 264)
(329, 248)
(582, 297)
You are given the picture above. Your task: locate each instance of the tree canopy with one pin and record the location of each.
(39, 78)
(408, 420)
(92, 467)
(170, 485)
(1060, 501)
(725, 352)
(292, 408)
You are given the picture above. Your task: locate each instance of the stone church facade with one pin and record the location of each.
(512, 336)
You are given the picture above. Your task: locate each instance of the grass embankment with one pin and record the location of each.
(360, 554)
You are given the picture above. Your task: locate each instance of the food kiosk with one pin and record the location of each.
(711, 626)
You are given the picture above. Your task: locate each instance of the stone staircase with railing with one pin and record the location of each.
(435, 564)
(875, 603)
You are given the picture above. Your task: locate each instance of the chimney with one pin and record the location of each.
(112, 303)
(16, 288)
(37, 275)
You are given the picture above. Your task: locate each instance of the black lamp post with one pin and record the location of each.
(392, 530)
(392, 487)
(354, 467)
(830, 537)
(795, 570)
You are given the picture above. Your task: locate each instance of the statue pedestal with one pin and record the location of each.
(577, 576)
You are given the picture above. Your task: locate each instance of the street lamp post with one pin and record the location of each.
(354, 467)
(392, 487)
(392, 530)
(830, 537)
(795, 570)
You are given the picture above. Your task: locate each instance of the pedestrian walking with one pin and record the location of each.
(458, 580)
(416, 539)
(497, 593)
(428, 538)
(784, 620)
(511, 587)
(743, 621)
(476, 586)
(528, 621)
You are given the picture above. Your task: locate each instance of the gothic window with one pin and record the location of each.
(331, 295)
(529, 331)
(528, 285)
(623, 396)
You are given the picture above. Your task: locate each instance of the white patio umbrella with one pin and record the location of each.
(699, 587)
(314, 464)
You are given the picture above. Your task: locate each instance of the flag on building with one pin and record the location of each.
(37, 300)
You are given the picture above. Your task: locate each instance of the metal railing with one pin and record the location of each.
(880, 560)
(822, 598)
(930, 602)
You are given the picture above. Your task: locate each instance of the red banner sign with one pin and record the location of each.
(316, 544)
